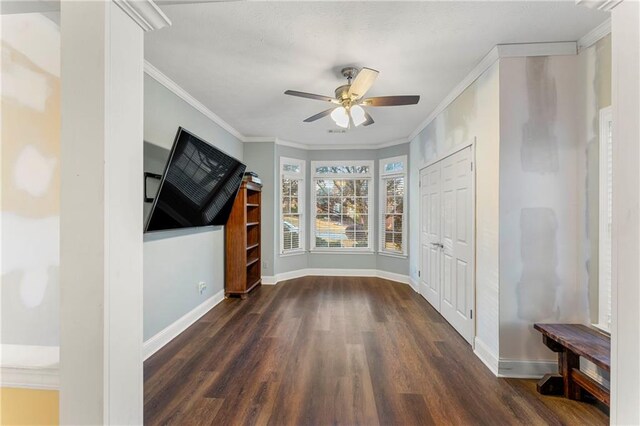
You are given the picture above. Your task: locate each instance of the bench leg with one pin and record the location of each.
(551, 384)
(567, 361)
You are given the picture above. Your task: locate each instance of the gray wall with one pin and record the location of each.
(176, 261)
(260, 158)
(287, 263)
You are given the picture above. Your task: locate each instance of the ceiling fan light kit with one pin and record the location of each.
(350, 99)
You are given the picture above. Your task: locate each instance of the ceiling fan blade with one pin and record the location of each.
(362, 83)
(369, 120)
(319, 115)
(312, 96)
(391, 101)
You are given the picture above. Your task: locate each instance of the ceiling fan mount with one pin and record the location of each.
(350, 100)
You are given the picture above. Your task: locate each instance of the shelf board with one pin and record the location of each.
(252, 261)
(252, 284)
(253, 223)
(253, 246)
(253, 205)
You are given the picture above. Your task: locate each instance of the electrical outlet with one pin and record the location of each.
(265, 265)
(202, 286)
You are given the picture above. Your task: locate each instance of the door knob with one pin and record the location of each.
(437, 245)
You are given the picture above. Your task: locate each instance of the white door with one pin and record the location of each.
(430, 234)
(447, 240)
(457, 250)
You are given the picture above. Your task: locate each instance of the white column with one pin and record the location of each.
(101, 210)
(625, 336)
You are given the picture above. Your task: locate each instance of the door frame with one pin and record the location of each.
(472, 145)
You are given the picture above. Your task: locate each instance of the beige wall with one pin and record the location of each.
(30, 179)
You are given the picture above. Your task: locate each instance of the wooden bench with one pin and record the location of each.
(572, 341)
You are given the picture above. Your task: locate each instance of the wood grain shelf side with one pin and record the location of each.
(242, 242)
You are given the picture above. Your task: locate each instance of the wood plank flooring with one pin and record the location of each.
(336, 350)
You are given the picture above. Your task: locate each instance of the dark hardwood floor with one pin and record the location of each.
(336, 350)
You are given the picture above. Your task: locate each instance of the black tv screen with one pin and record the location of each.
(198, 186)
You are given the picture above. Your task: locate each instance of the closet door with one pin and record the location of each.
(456, 299)
(446, 240)
(430, 234)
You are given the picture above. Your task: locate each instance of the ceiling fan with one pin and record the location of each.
(349, 99)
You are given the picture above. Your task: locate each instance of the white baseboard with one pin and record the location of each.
(329, 272)
(31, 377)
(30, 366)
(526, 369)
(414, 285)
(156, 342)
(486, 355)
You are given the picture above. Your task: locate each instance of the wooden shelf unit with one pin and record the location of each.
(242, 242)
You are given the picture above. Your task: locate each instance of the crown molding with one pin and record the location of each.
(499, 51)
(161, 78)
(145, 13)
(604, 5)
(484, 64)
(595, 35)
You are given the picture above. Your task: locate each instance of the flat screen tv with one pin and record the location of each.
(198, 186)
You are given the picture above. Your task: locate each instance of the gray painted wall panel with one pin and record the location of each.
(176, 261)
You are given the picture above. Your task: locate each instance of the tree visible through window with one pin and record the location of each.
(393, 201)
(342, 195)
(292, 205)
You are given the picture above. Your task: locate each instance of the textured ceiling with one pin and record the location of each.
(238, 58)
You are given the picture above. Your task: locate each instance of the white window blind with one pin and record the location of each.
(343, 198)
(292, 188)
(606, 209)
(393, 202)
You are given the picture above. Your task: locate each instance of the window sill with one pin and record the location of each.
(293, 253)
(396, 255)
(341, 251)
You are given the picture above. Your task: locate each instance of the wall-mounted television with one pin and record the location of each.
(198, 186)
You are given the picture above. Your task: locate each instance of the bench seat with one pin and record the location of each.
(571, 342)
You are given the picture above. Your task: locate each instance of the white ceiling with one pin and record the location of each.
(237, 58)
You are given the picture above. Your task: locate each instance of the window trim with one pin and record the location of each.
(604, 301)
(301, 178)
(370, 175)
(382, 198)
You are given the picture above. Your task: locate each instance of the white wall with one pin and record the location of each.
(176, 261)
(625, 343)
(474, 115)
(100, 228)
(539, 243)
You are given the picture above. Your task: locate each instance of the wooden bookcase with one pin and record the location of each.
(242, 242)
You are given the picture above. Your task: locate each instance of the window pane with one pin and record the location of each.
(337, 187)
(286, 186)
(348, 206)
(348, 188)
(362, 205)
(322, 205)
(398, 202)
(294, 205)
(390, 184)
(393, 167)
(342, 217)
(294, 168)
(291, 226)
(362, 187)
(286, 204)
(323, 187)
(294, 188)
